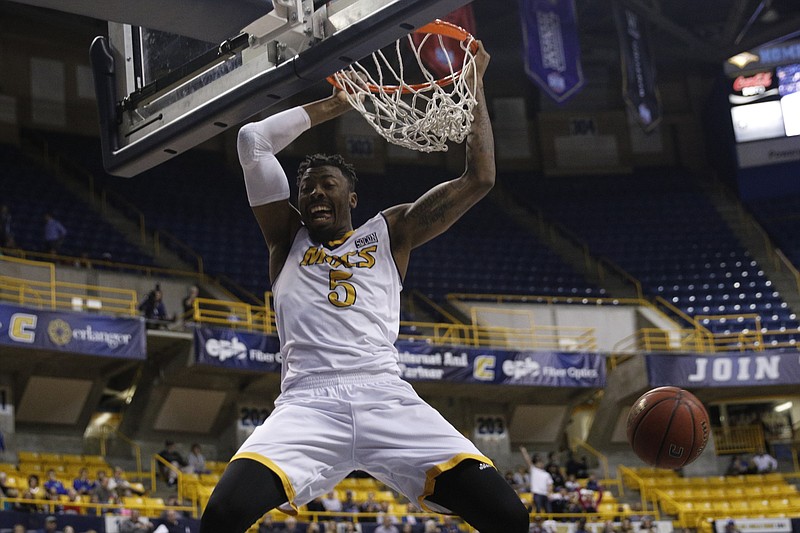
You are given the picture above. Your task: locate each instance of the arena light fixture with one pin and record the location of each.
(781, 407)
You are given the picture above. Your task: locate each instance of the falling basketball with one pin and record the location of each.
(668, 427)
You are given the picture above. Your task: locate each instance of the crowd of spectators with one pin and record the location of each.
(154, 310)
(68, 499)
(568, 489)
(760, 463)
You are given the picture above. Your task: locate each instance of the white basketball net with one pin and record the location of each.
(428, 115)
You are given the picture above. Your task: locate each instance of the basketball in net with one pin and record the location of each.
(404, 101)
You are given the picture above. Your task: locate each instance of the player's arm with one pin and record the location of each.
(265, 180)
(414, 224)
(526, 456)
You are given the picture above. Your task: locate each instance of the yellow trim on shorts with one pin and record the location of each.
(287, 486)
(433, 472)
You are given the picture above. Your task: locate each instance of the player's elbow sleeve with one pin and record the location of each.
(264, 178)
(250, 144)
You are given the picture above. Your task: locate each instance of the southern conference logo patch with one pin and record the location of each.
(60, 332)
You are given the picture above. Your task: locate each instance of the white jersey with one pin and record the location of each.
(338, 306)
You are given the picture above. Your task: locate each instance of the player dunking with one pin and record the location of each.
(343, 406)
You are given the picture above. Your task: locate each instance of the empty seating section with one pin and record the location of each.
(663, 230)
(30, 192)
(780, 216)
(200, 201)
(487, 252)
(693, 499)
(200, 198)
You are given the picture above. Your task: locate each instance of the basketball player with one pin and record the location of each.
(343, 406)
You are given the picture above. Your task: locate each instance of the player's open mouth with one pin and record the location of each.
(320, 213)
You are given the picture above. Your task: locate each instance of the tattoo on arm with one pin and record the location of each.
(433, 208)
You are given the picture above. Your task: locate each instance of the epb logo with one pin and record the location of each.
(226, 349)
(522, 368)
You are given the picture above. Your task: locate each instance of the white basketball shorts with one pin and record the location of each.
(319, 434)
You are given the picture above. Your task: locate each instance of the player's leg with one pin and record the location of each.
(300, 451)
(246, 491)
(409, 445)
(481, 496)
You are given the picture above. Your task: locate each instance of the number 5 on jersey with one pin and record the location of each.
(343, 293)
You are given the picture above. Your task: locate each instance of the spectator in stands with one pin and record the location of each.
(738, 466)
(7, 491)
(449, 524)
(82, 484)
(316, 505)
(196, 461)
(590, 499)
(136, 523)
(411, 510)
(580, 527)
(764, 462)
(332, 503)
(537, 525)
(72, 505)
(102, 492)
(121, 485)
(6, 229)
(407, 528)
(172, 523)
(370, 505)
(559, 500)
(50, 525)
(188, 302)
(432, 527)
(33, 492)
(647, 524)
(19, 528)
(266, 525)
(53, 485)
(608, 527)
(574, 503)
(349, 505)
(592, 483)
(550, 526)
(577, 468)
(572, 484)
(54, 233)
(350, 527)
(153, 309)
(520, 479)
(386, 526)
(555, 473)
(730, 527)
(289, 525)
(171, 455)
(626, 525)
(552, 460)
(69, 529)
(541, 482)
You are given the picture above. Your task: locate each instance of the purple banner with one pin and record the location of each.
(423, 362)
(728, 370)
(229, 348)
(65, 331)
(552, 47)
(419, 361)
(639, 87)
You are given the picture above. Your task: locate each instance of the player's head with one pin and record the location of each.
(323, 160)
(326, 194)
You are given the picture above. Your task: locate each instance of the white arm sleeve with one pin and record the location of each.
(257, 144)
